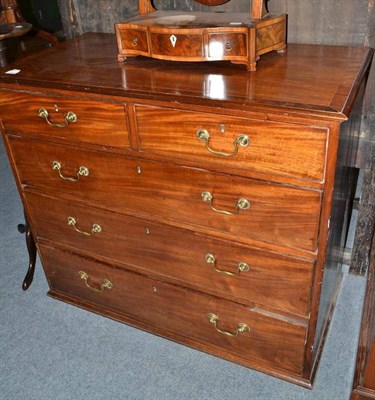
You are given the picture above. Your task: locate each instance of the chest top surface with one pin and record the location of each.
(307, 79)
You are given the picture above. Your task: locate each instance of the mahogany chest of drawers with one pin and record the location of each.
(203, 205)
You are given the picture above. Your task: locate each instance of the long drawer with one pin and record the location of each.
(231, 144)
(259, 338)
(261, 211)
(179, 255)
(82, 120)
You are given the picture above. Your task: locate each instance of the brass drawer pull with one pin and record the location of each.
(135, 42)
(69, 117)
(228, 46)
(106, 284)
(242, 267)
(242, 204)
(241, 327)
(82, 171)
(95, 227)
(241, 140)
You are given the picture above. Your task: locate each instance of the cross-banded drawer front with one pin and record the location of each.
(171, 44)
(227, 44)
(179, 255)
(134, 41)
(65, 119)
(237, 145)
(246, 335)
(243, 207)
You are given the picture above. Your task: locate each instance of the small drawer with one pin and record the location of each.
(173, 45)
(236, 145)
(187, 316)
(194, 198)
(67, 119)
(133, 41)
(230, 45)
(204, 263)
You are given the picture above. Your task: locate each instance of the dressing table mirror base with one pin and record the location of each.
(202, 36)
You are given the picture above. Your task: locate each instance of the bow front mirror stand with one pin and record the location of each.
(202, 36)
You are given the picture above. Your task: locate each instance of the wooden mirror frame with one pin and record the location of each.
(258, 7)
(212, 2)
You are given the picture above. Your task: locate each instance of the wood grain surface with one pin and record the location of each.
(293, 229)
(278, 214)
(279, 149)
(273, 280)
(271, 341)
(347, 22)
(308, 91)
(97, 122)
(202, 36)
